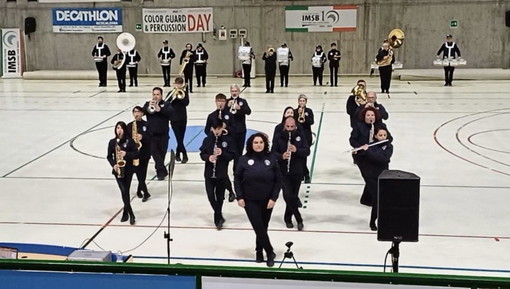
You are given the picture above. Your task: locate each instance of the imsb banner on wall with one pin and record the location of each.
(185, 20)
(11, 53)
(87, 20)
(320, 18)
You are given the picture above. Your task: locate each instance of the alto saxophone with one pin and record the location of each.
(134, 133)
(121, 163)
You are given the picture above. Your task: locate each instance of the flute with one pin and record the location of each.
(372, 144)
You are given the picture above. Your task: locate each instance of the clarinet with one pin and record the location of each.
(214, 164)
(288, 145)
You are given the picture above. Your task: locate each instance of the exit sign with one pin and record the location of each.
(454, 23)
(138, 27)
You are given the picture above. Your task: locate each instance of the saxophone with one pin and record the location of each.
(134, 133)
(121, 163)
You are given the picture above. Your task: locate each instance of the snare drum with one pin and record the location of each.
(98, 59)
(165, 62)
(438, 62)
(131, 64)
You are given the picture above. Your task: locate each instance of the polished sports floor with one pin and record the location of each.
(57, 188)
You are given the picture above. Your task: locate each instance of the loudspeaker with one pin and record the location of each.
(398, 206)
(30, 25)
(507, 18)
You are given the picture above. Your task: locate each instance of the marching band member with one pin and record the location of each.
(363, 134)
(449, 50)
(372, 102)
(217, 151)
(291, 149)
(352, 105)
(304, 116)
(318, 59)
(246, 62)
(258, 181)
(284, 56)
(100, 53)
(377, 159)
(385, 60)
(133, 58)
(119, 65)
(220, 100)
(165, 56)
(235, 113)
(158, 114)
(278, 129)
(270, 69)
(121, 152)
(200, 60)
(187, 59)
(143, 142)
(179, 117)
(334, 57)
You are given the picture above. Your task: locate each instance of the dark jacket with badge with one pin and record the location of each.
(258, 177)
(298, 158)
(222, 161)
(143, 129)
(237, 121)
(158, 121)
(127, 145)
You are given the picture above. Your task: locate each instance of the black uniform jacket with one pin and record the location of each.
(179, 107)
(307, 125)
(104, 51)
(379, 156)
(158, 121)
(360, 134)
(227, 154)
(258, 177)
(212, 117)
(126, 145)
(382, 112)
(143, 129)
(237, 122)
(270, 62)
(298, 158)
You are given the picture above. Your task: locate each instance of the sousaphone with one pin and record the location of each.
(125, 42)
(396, 38)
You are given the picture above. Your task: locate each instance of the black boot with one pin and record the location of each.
(178, 157)
(125, 216)
(132, 218)
(184, 158)
(259, 256)
(270, 259)
(146, 196)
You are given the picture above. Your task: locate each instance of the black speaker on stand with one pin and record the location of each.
(398, 210)
(30, 26)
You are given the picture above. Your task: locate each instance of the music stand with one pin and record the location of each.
(166, 235)
(290, 255)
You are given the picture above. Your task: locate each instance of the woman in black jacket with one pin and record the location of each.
(121, 153)
(257, 182)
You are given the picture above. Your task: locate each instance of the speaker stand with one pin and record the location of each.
(395, 254)
(290, 255)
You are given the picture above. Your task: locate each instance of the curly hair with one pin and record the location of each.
(249, 143)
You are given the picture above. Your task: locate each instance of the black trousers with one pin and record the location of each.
(385, 76)
(247, 71)
(166, 74)
(201, 73)
(102, 68)
(159, 147)
(179, 128)
(188, 77)
(270, 80)
(133, 76)
(239, 140)
(259, 217)
(124, 186)
(317, 75)
(121, 78)
(333, 75)
(215, 189)
(290, 185)
(141, 175)
(284, 75)
(370, 175)
(448, 74)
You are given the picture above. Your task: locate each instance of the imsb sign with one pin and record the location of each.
(185, 20)
(11, 53)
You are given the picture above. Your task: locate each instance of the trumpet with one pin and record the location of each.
(134, 132)
(301, 114)
(152, 106)
(121, 163)
(360, 94)
(233, 109)
(176, 93)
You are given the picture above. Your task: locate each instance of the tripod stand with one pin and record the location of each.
(166, 235)
(290, 255)
(395, 254)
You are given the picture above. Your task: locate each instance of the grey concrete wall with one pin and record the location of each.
(482, 35)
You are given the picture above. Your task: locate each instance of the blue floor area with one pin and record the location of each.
(194, 137)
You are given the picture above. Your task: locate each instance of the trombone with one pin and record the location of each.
(176, 93)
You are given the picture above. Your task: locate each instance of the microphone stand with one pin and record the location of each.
(166, 235)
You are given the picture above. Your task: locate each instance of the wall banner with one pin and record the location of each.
(185, 20)
(320, 18)
(11, 53)
(87, 20)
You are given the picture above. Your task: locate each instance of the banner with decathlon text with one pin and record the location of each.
(185, 20)
(87, 20)
(11, 53)
(320, 18)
